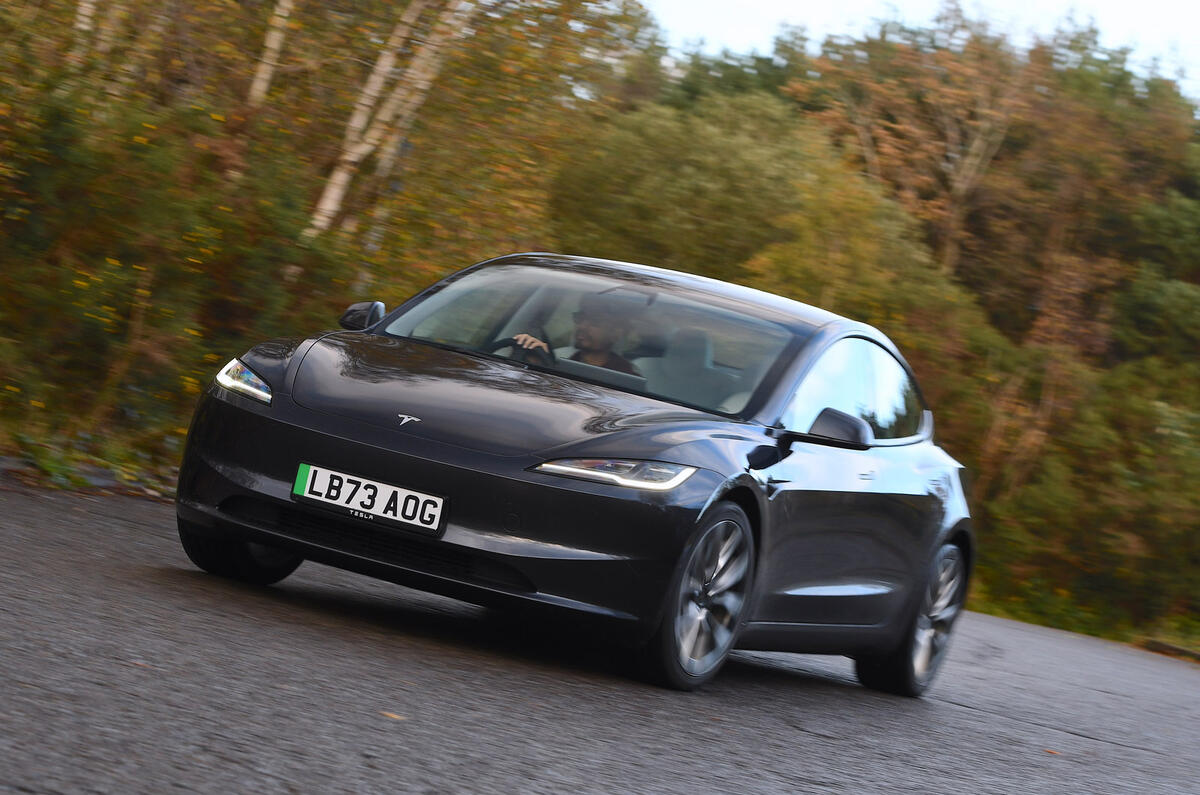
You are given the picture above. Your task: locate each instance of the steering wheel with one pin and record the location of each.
(545, 358)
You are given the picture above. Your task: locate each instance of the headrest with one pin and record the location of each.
(691, 347)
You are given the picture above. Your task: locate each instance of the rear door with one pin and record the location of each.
(910, 479)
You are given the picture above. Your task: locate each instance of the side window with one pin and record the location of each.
(840, 379)
(896, 404)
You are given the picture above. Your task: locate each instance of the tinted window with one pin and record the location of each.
(840, 379)
(677, 344)
(896, 404)
(470, 318)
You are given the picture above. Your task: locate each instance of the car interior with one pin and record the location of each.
(683, 350)
(684, 353)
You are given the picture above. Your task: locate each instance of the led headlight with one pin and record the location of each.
(237, 377)
(652, 475)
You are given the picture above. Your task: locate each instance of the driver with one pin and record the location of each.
(598, 326)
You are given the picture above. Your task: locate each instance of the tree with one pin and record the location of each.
(272, 45)
(1052, 240)
(517, 98)
(852, 250)
(928, 110)
(376, 117)
(1103, 537)
(733, 73)
(698, 190)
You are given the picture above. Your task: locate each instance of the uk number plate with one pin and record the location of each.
(368, 499)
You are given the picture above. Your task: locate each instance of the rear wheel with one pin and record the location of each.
(706, 601)
(910, 668)
(239, 560)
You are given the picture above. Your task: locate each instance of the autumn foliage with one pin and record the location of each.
(178, 179)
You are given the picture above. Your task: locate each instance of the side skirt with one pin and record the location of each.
(847, 639)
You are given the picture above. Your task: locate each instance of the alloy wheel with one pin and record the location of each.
(712, 594)
(942, 603)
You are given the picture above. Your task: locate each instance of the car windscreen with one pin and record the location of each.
(637, 335)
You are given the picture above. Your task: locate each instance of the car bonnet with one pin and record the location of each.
(471, 401)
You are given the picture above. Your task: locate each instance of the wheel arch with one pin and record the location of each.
(962, 535)
(745, 498)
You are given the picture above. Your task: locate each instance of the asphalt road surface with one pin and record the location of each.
(124, 669)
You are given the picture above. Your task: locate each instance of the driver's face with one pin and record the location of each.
(594, 331)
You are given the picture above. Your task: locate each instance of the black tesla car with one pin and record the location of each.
(701, 466)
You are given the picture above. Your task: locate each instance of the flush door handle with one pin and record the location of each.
(868, 475)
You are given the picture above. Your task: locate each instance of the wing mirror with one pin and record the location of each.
(362, 315)
(836, 429)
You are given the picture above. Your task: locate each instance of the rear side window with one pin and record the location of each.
(840, 380)
(896, 402)
(860, 378)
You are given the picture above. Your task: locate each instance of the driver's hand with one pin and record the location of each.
(530, 342)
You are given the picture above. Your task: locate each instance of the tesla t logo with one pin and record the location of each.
(405, 419)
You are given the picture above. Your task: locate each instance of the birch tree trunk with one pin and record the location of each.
(368, 99)
(125, 74)
(372, 90)
(85, 15)
(110, 26)
(396, 115)
(272, 46)
(381, 211)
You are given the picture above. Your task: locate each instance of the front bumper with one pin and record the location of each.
(510, 536)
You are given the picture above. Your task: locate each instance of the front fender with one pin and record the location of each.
(277, 361)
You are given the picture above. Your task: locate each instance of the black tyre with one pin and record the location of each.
(706, 601)
(237, 559)
(909, 669)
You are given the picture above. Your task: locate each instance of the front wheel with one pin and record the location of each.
(910, 668)
(706, 601)
(236, 559)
